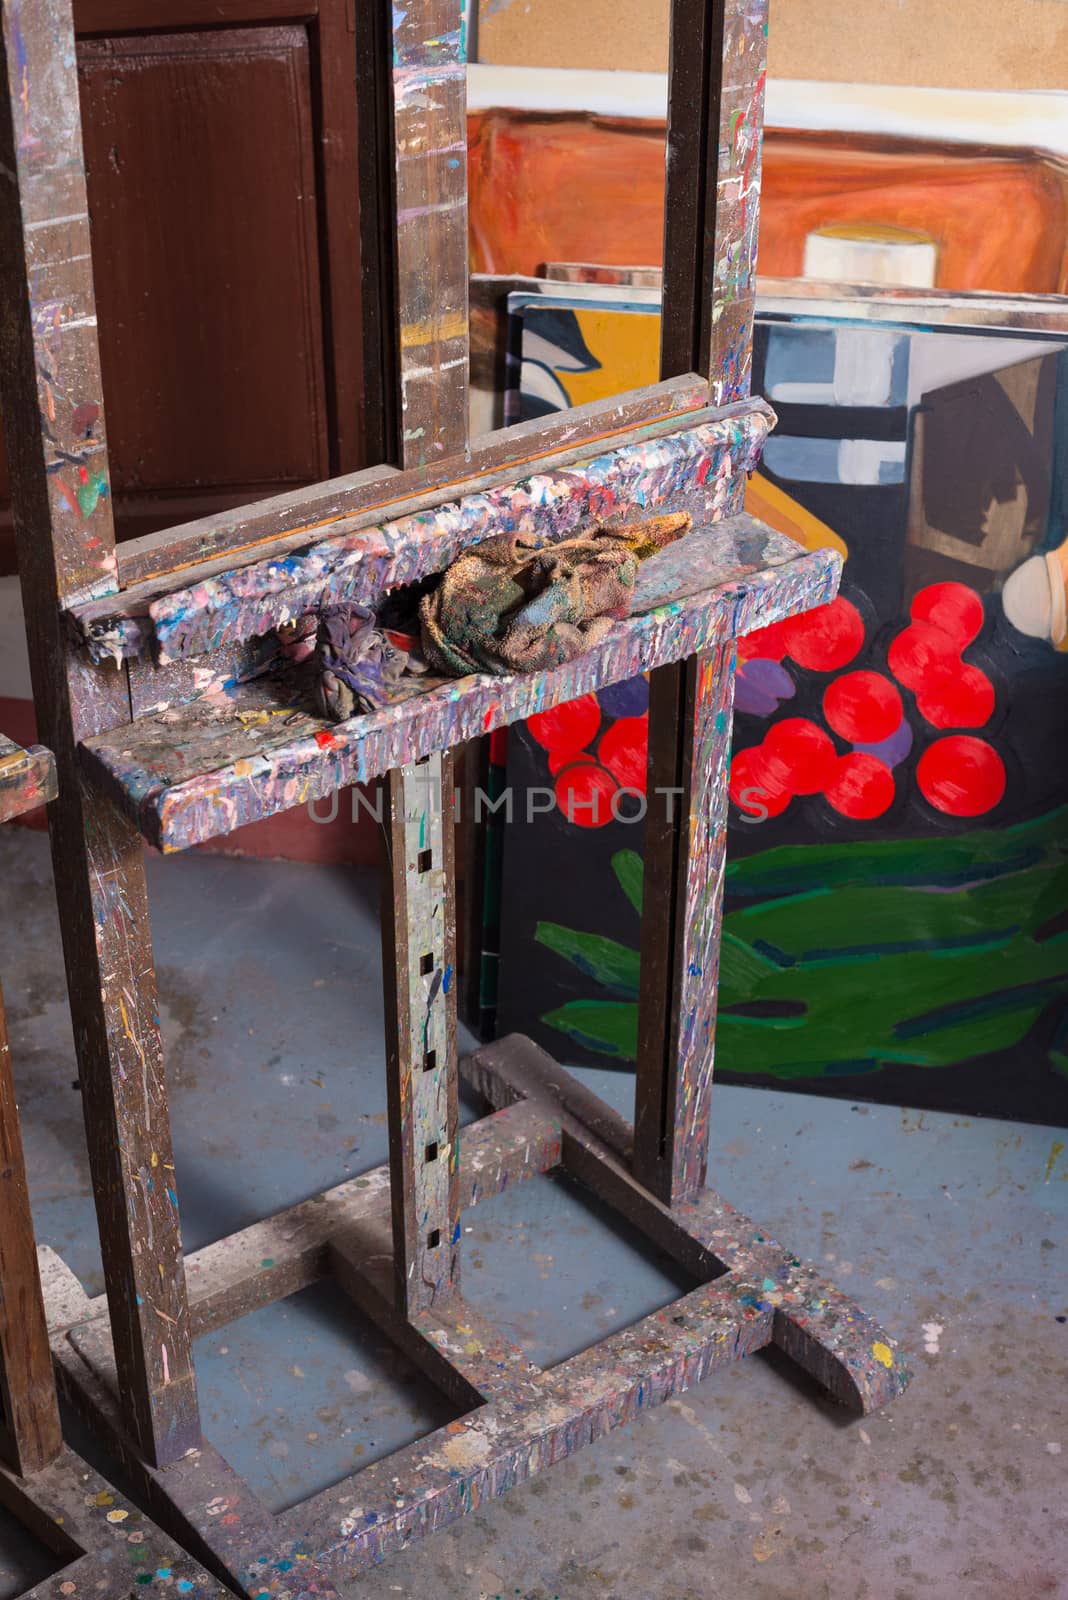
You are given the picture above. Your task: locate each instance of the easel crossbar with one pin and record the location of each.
(520, 1418)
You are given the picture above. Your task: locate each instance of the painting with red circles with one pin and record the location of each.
(960, 775)
(896, 913)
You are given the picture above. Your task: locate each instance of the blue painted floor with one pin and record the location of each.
(952, 1231)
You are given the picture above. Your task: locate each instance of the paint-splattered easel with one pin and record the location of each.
(142, 659)
(104, 1547)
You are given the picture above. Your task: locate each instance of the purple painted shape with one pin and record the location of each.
(627, 699)
(894, 749)
(762, 685)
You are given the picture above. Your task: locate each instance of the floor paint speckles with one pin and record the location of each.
(750, 1485)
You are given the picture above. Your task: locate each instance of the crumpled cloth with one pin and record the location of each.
(504, 607)
(361, 665)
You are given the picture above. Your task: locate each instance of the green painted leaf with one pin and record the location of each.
(608, 1027)
(967, 858)
(929, 1009)
(741, 969)
(939, 956)
(612, 965)
(859, 923)
(628, 868)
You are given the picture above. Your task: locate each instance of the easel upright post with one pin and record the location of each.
(716, 106)
(425, 353)
(53, 412)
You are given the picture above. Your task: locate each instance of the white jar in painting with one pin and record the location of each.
(871, 252)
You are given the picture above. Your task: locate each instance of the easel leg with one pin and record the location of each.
(419, 972)
(690, 715)
(100, 882)
(30, 1435)
(54, 426)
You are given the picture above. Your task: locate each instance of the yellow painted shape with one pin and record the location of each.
(627, 346)
(626, 343)
(414, 334)
(874, 233)
(883, 1353)
(781, 511)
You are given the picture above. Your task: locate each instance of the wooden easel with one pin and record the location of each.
(124, 641)
(105, 1545)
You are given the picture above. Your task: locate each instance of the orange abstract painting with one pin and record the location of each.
(580, 187)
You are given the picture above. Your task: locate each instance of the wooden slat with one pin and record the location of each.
(30, 1434)
(295, 518)
(340, 136)
(104, 1543)
(492, 1365)
(50, 395)
(715, 129)
(195, 1497)
(218, 762)
(362, 1265)
(753, 1293)
(216, 604)
(847, 1352)
(419, 927)
(465, 1464)
(27, 778)
(429, 214)
(681, 922)
(426, 322)
(892, 305)
(165, 16)
(228, 1279)
(712, 204)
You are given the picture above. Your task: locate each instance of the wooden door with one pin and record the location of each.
(220, 144)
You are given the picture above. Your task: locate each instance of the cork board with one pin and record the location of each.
(958, 44)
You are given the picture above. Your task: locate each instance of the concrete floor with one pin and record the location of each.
(951, 1231)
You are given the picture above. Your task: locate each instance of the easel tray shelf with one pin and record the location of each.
(246, 751)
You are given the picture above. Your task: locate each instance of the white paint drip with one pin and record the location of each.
(932, 1333)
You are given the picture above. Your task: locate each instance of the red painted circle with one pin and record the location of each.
(921, 654)
(569, 728)
(863, 707)
(798, 756)
(827, 638)
(754, 791)
(624, 750)
(584, 794)
(960, 699)
(953, 607)
(862, 787)
(962, 776)
(768, 643)
(558, 764)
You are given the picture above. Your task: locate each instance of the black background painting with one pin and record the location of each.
(1005, 959)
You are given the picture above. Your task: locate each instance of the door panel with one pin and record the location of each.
(223, 199)
(202, 195)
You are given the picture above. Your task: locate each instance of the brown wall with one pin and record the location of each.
(961, 44)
